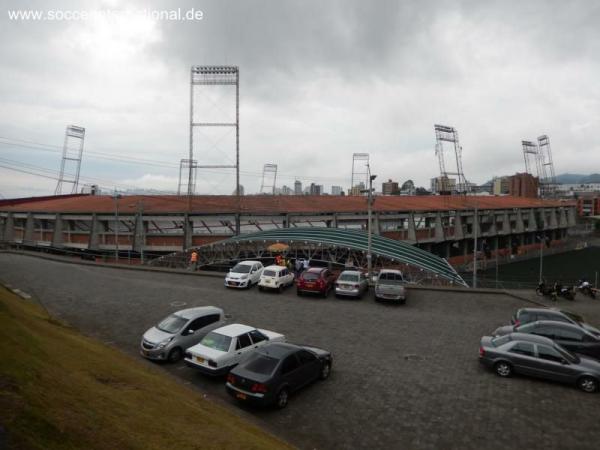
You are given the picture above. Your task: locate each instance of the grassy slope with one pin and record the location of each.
(60, 389)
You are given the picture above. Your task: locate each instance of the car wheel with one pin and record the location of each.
(503, 369)
(175, 355)
(587, 384)
(282, 398)
(280, 288)
(325, 371)
(298, 293)
(260, 288)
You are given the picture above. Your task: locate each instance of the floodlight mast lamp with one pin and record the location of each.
(72, 153)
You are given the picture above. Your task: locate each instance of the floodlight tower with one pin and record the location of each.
(443, 134)
(270, 175)
(72, 152)
(360, 169)
(548, 184)
(185, 166)
(531, 152)
(214, 76)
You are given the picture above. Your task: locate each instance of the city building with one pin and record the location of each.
(356, 190)
(523, 185)
(390, 187)
(408, 188)
(443, 185)
(315, 189)
(500, 185)
(588, 205)
(298, 187)
(336, 190)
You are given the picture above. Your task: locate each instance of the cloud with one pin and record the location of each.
(319, 81)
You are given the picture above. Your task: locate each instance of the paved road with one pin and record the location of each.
(404, 377)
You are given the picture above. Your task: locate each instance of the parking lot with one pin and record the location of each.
(403, 377)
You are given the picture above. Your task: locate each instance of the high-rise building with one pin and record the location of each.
(443, 184)
(298, 187)
(315, 189)
(356, 190)
(500, 186)
(523, 185)
(336, 190)
(390, 187)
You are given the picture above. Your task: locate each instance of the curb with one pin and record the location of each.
(62, 259)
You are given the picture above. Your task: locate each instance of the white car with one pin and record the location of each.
(222, 349)
(244, 274)
(275, 277)
(390, 286)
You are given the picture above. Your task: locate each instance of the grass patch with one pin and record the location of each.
(62, 390)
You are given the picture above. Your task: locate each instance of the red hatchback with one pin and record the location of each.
(317, 280)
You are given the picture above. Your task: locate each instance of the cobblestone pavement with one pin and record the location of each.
(403, 377)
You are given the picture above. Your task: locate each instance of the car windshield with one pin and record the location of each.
(262, 364)
(241, 268)
(576, 317)
(527, 328)
(216, 341)
(269, 273)
(172, 324)
(348, 277)
(310, 276)
(390, 278)
(591, 329)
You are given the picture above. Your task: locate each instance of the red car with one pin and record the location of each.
(316, 279)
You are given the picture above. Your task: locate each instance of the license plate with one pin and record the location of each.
(310, 285)
(200, 360)
(268, 281)
(241, 396)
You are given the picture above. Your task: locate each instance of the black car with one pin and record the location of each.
(526, 315)
(570, 336)
(272, 372)
(537, 356)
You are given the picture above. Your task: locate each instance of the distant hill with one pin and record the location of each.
(572, 178)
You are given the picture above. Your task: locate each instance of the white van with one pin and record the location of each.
(275, 277)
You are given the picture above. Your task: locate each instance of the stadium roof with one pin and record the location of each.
(391, 249)
(270, 204)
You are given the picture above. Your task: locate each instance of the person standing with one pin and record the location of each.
(193, 260)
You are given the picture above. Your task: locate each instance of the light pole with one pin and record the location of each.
(475, 229)
(369, 229)
(116, 198)
(542, 242)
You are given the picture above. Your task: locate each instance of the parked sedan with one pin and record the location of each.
(275, 277)
(351, 283)
(537, 356)
(390, 286)
(526, 315)
(317, 280)
(180, 330)
(570, 336)
(244, 274)
(223, 348)
(270, 374)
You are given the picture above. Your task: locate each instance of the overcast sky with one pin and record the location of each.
(319, 80)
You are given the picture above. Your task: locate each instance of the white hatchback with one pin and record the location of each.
(222, 349)
(244, 274)
(275, 277)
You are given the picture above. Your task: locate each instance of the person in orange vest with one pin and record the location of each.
(278, 259)
(193, 260)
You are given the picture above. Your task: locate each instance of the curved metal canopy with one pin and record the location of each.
(357, 240)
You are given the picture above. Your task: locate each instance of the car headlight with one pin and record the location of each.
(164, 343)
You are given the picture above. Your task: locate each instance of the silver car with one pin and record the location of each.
(351, 283)
(538, 356)
(390, 285)
(180, 331)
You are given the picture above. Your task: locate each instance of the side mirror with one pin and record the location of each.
(188, 332)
